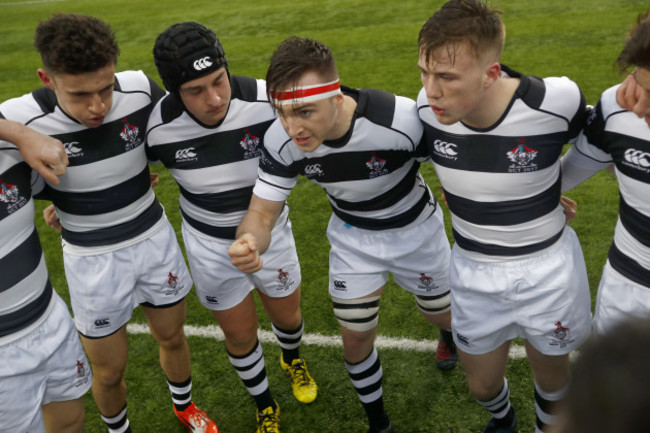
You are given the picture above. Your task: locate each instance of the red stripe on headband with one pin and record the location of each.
(304, 93)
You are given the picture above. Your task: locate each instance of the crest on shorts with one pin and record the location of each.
(561, 335)
(250, 143)
(131, 135)
(83, 374)
(284, 279)
(426, 282)
(9, 194)
(376, 166)
(170, 285)
(522, 157)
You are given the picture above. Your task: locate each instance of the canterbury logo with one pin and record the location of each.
(71, 148)
(444, 147)
(185, 153)
(202, 63)
(339, 284)
(638, 157)
(102, 323)
(313, 170)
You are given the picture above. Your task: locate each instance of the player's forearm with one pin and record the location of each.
(258, 225)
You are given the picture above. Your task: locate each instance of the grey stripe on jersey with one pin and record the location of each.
(503, 184)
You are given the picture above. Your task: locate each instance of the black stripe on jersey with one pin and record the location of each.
(28, 314)
(505, 213)
(635, 222)
(270, 165)
(117, 233)
(628, 267)
(209, 229)
(245, 89)
(18, 175)
(494, 153)
(631, 154)
(350, 166)
(500, 250)
(376, 105)
(221, 202)
(386, 199)
(396, 221)
(209, 150)
(104, 201)
(118, 137)
(21, 262)
(46, 100)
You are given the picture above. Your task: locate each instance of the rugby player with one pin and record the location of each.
(495, 137)
(619, 136)
(208, 132)
(44, 374)
(361, 147)
(119, 250)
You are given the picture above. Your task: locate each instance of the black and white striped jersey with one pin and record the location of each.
(616, 135)
(25, 290)
(105, 200)
(370, 175)
(502, 183)
(215, 166)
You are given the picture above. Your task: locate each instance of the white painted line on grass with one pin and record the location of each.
(382, 342)
(30, 2)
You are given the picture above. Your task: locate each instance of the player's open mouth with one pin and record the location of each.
(437, 110)
(301, 141)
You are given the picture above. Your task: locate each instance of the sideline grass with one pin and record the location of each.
(375, 43)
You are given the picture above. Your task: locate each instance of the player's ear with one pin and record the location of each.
(45, 78)
(493, 72)
(338, 99)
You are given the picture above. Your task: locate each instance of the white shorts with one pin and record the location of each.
(220, 285)
(544, 299)
(47, 365)
(106, 288)
(619, 299)
(360, 260)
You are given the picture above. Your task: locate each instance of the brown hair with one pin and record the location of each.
(296, 56)
(74, 44)
(463, 21)
(636, 51)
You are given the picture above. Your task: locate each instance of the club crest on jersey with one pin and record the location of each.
(9, 194)
(561, 336)
(522, 157)
(426, 282)
(284, 280)
(637, 160)
(250, 143)
(376, 166)
(83, 374)
(170, 285)
(73, 150)
(130, 134)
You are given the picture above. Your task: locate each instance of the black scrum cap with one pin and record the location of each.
(187, 51)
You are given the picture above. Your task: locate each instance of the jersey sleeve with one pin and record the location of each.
(276, 174)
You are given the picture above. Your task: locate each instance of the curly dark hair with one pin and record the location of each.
(74, 44)
(636, 51)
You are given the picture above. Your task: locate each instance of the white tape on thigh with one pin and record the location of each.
(434, 304)
(359, 315)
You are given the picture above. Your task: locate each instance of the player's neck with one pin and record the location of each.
(344, 117)
(494, 104)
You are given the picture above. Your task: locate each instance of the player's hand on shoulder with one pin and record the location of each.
(51, 218)
(44, 154)
(570, 208)
(244, 254)
(628, 93)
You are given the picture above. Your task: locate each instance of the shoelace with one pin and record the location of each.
(267, 421)
(300, 373)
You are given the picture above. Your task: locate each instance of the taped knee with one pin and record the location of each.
(434, 304)
(359, 315)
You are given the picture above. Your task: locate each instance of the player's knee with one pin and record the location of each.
(360, 315)
(433, 305)
(240, 341)
(108, 377)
